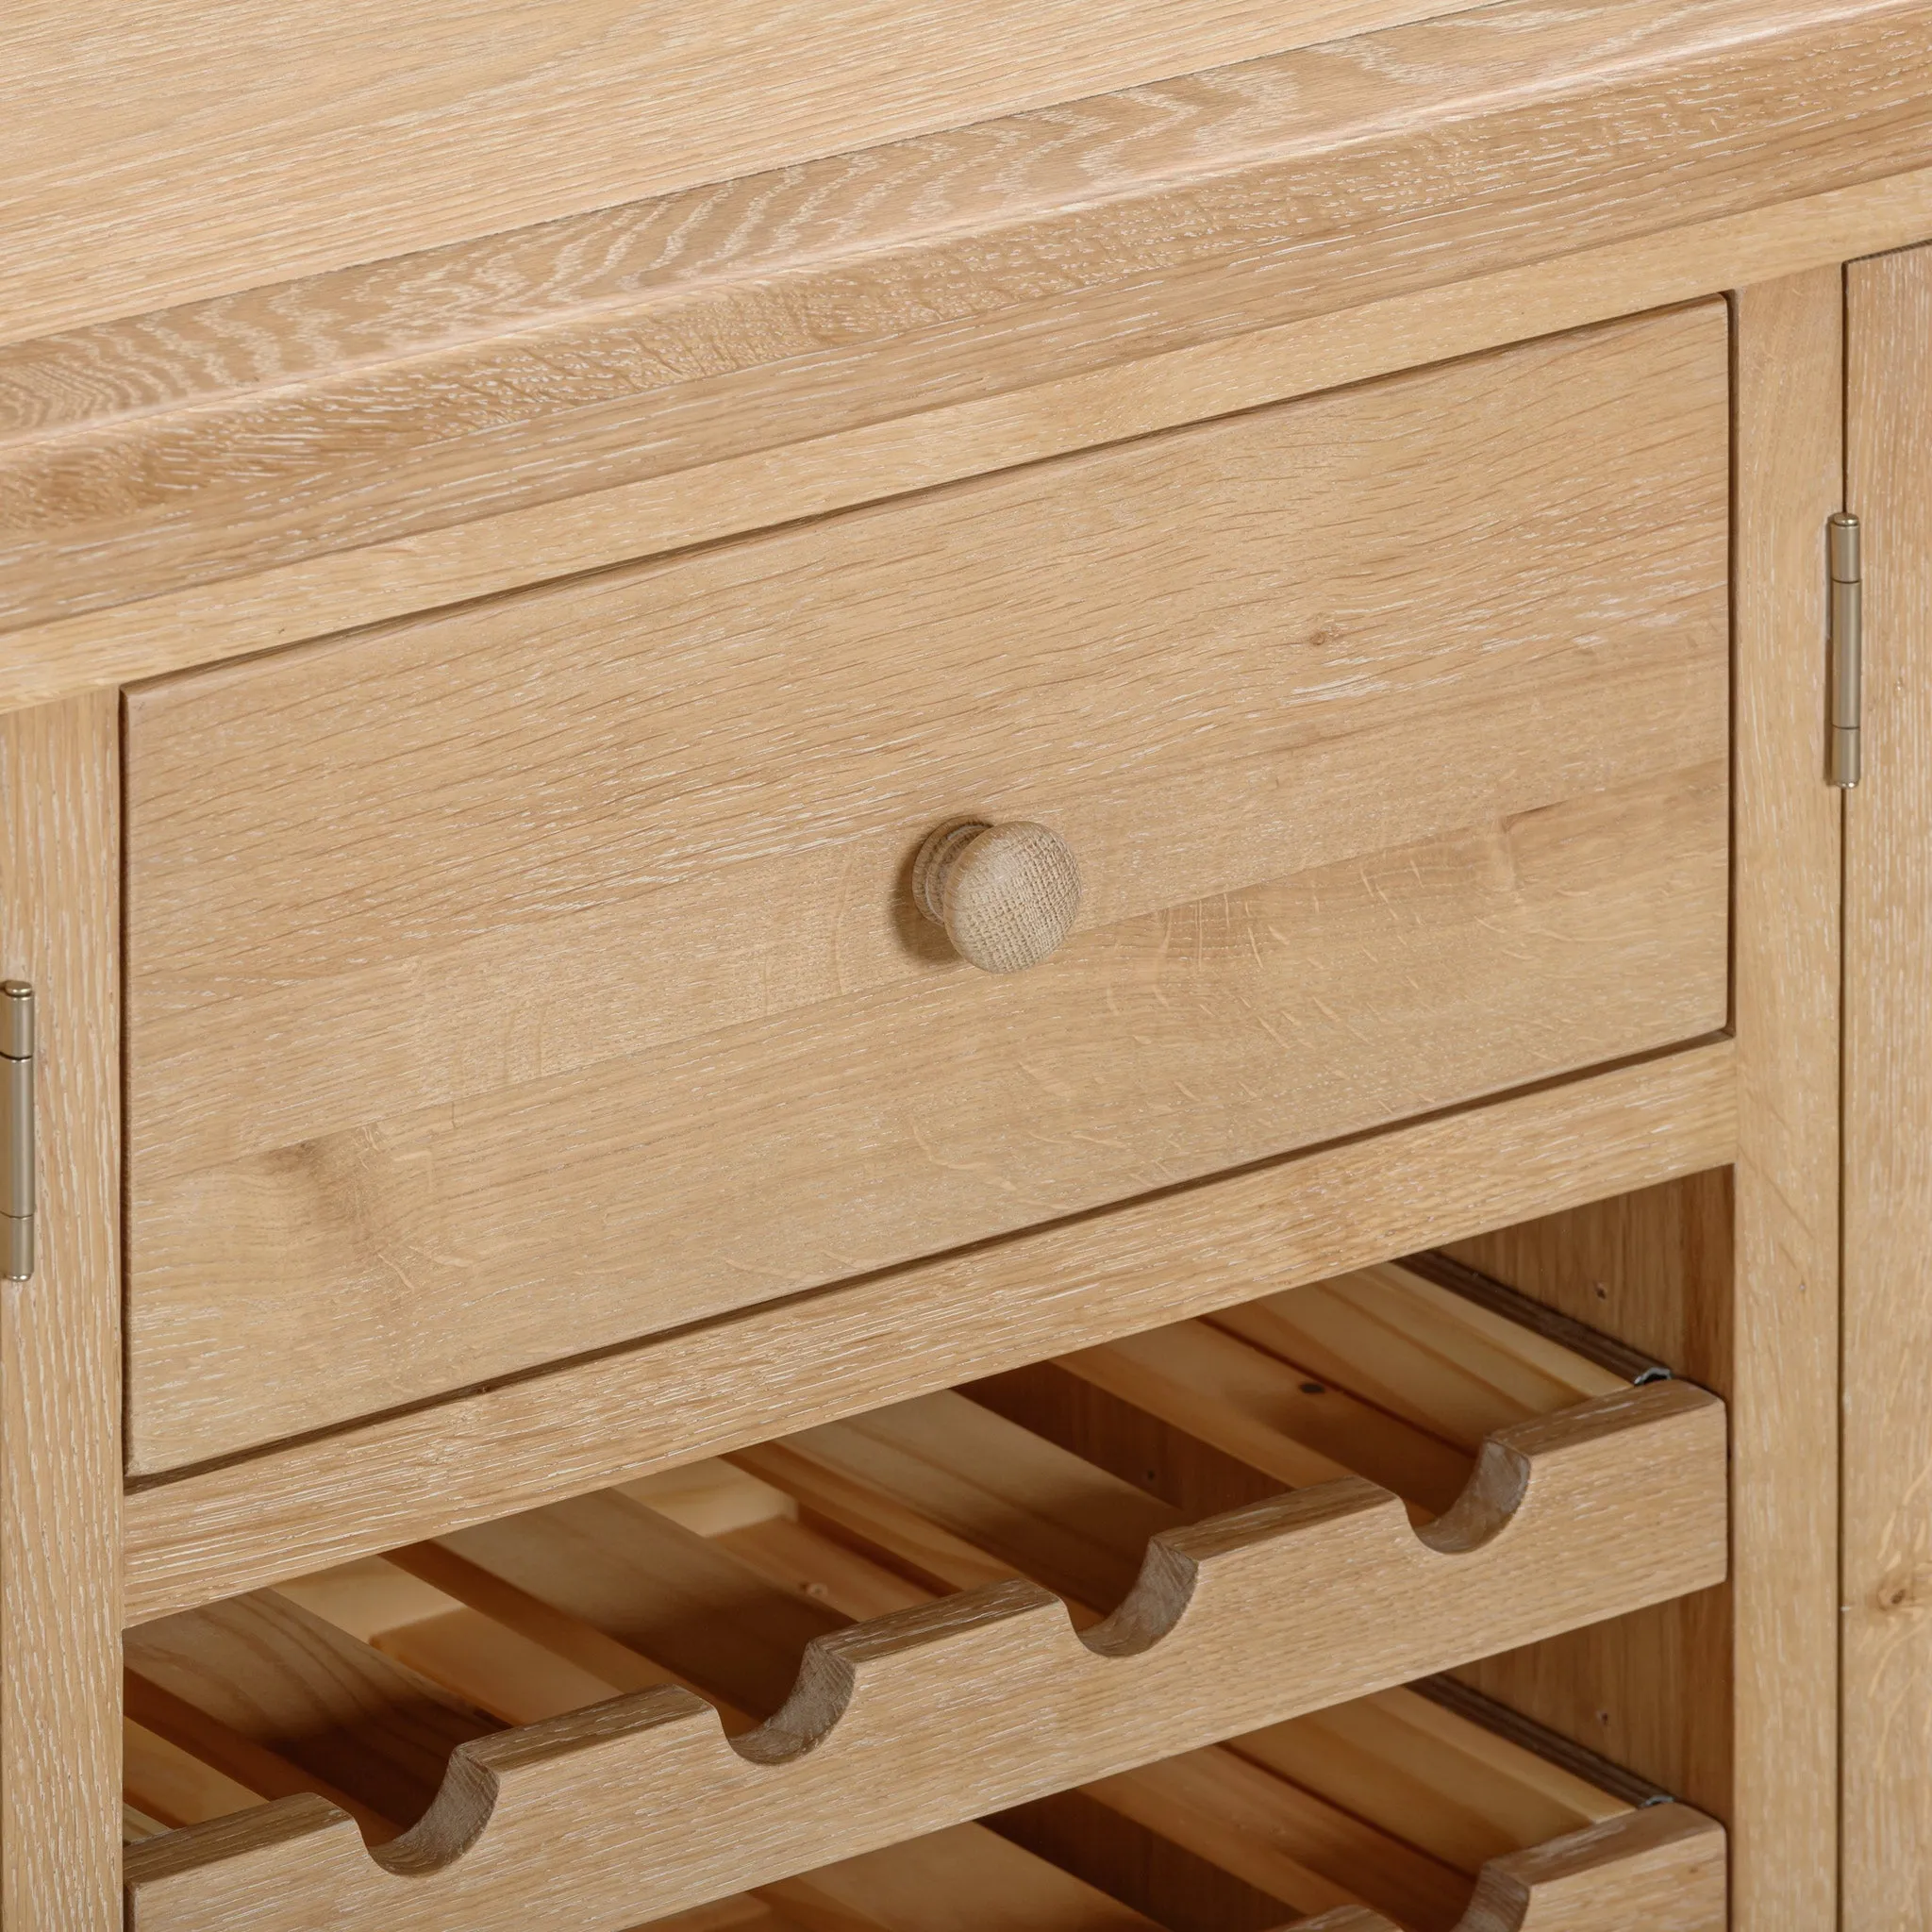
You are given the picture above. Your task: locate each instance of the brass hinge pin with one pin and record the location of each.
(17, 1130)
(1845, 755)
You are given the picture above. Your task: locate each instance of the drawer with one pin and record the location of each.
(724, 1676)
(516, 981)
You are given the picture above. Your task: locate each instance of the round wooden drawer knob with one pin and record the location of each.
(1006, 894)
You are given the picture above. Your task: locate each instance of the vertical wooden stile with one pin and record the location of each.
(1887, 1444)
(59, 1333)
(1789, 414)
(1733, 1277)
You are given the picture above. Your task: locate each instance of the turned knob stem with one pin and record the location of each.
(1006, 894)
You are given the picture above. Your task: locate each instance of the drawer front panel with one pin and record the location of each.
(511, 982)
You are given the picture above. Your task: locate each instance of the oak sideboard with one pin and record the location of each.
(966, 966)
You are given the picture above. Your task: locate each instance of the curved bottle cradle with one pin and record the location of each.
(907, 1722)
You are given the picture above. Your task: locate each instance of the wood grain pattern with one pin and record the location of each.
(379, 580)
(1193, 1844)
(1032, 1507)
(270, 1672)
(1453, 1789)
(1784, 1597)
(1425, 1778)
(1283, 1846)
(1651, 1267)
(1256, 196)
(646, 1583)
(649, 1582)
(1381, 1372)
(1749, 1310)
(172, 1786)
(528, 1681)
(729, 495)
(726, 1385)
(1661, 1868)
(718, 1595)
(1266, 1413)
(1182, 1469)
(1170, 1875)
(1654, 1691)
(511, 1672)
(60, 1333)
(1888, 1443)
(760, 663)
(426, 1006)
(237, 1757)
(1568, 1517)
(248, 143)
(1167, 1838)
(1438, 1362)
(1006, 894)
(451, 1245)
(720, 1612)
(947, 1881)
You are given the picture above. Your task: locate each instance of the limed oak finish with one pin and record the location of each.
(740, 1590)
(443, 425)
(1888, 1529)
(487, 622)
(1660, 1869)
(240, 1524)
(474, 964)
(250, 142)
(59, 1333)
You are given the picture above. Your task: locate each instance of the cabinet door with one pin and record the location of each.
(1887, 1112)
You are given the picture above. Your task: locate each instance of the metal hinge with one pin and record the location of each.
(1844, 755)
(17, 1129)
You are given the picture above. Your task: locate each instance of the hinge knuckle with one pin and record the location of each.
(1845, 752)
(17, 1047)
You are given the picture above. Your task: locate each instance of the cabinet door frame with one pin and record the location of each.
(1885, 1687)
(1784, 1344)
(59, 1343)
(61, 1487)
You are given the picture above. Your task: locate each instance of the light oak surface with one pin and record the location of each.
(1438, 1362)
(732, 1615)
(172, 1786)
(409, 1088)
(1182, 1864)
(1005, 895)
(1231, 1397)
(948, 1881)
(60, 1333)
(725, 1385)
(719, 1579)
(1661, 1868)
(1278, 1847)
(1649, 1267)
(1405, 1762)
(1887, 1444)
(245, 142)
(729, 495)
(1655, 1691)
(1733, 1280)
(1255, 196)
(658, 1812)
(1784, 1815)
(238, 1757)
(343, 1713)
(426, 1019)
